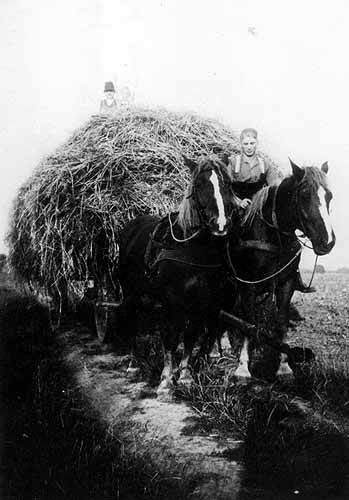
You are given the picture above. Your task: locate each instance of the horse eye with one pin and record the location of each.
(306, 194)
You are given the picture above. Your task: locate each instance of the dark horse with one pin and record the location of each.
(177, 262)
(267, 257)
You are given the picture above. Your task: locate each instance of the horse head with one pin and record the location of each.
(312, 206)
(209, 201)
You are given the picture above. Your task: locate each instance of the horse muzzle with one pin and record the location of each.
(321, 248)
(220, 233)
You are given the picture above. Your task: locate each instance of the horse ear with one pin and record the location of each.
(324, 167)
(297, 171)
(189, 163)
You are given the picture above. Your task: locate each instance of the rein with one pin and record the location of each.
(172, 256)
(262, 280)
(315, 262)
(181, 240)
(274, 224)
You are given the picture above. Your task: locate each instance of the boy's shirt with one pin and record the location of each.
(249, 175)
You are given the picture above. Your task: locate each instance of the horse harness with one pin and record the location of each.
(160, 248)
(294, 251)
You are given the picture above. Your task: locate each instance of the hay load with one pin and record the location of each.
(67, 217)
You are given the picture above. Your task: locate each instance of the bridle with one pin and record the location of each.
(274, 224)
(204, 220)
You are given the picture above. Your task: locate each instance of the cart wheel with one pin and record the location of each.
(103, 323)
(104, 317)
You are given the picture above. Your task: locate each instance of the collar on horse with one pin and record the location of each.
(274, 224)
(160, 248)
(294, 250)
(266, 246)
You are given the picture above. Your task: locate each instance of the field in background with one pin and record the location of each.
(326, 325)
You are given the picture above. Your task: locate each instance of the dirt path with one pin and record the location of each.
(160, 428)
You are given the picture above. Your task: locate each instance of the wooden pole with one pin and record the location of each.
(251, 331)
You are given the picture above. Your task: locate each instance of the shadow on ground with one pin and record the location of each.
(54, 445)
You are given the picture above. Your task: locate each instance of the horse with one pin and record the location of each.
(177, 263)
(267, 256)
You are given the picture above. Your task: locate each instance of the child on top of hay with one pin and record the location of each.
(108, 105)
(126, 98)
(250, 172)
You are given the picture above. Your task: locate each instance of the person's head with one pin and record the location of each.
(109, 90)
(249, 141)
(125, 93)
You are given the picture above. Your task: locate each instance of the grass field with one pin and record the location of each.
(296, 435)
(326, 325)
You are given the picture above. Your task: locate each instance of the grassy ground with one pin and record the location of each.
(296, 436)
(326, 331)
(54, 445)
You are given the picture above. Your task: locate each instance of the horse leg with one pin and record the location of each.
(214, 335)
(219, 344)
(242, 370)
(283, 299)
(248, 305)
(190, 335)
(169, 345)
(207, 342)
(132, 329)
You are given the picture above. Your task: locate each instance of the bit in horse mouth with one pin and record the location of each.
(220, 233)
(323, 249)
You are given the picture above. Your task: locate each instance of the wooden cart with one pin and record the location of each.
(106, 294)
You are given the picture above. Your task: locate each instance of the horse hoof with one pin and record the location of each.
(164, 396)
(186, 381)
(286, 378)
(165, 386)
(165, 391)
(284, 370)
(132, 373)
(242, 373)
(285, 374)
(242, 380)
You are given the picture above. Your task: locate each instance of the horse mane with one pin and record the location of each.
(313, 177)
(256, 206)
(188, 214)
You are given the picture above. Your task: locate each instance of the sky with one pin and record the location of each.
(280, 67)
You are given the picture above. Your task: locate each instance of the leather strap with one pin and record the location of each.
(256, 245)
(238, 164)
(175, 256)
